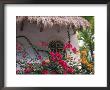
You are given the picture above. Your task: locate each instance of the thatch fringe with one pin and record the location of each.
(69, 22)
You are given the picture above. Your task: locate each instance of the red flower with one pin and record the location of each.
(17, 71)
(58, 56)
(55, 56)
(52, 56)
(74, 50)
(30, 64)
(60, 62)
(44, 63)
(44, 71)
(53, 59)
(27, 70)
(70, 70)
(39, 57)
(63, 64)
(65, 72)
(52, 53)
(67, 45)
(53, 72)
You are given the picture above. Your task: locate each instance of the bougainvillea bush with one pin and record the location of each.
(55, 63)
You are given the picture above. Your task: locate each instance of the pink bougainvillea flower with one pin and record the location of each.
(53, 58)
(74, 50)
(44, 63)
(60, 62)
(52, 53)
(70, 70)
(65, 72)
(44, 71)
(17, 71)
(58, 56)
(53, 72)
(67, 45)
(27, 70)
(63, 64)
(44, 43)
(39, 57)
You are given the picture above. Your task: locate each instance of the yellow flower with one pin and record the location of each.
(90, 66)
(84, 61)
(84, 52)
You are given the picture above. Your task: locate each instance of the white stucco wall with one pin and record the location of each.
(33, 33)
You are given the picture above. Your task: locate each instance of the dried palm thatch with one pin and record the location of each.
(69, 22)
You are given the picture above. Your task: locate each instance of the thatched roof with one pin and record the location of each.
(69, 22)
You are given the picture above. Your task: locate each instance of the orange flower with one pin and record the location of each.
(84, 52)
(84, 60)
(90, 66)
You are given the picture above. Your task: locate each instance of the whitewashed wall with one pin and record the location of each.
(33, 33)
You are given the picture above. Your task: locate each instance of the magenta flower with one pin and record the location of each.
(44, 63)
(53, 72)
(44, 71)
(55, 56)
(17, 71)
(70, 70)
(27, 70)
(63, 64)
(67, 45)
(39, 57)
(74, 50)
(58, 56)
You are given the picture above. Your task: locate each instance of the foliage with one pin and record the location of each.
(87, 50)
(87, 36)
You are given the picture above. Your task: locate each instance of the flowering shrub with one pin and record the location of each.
(87, 67)
(56, 63)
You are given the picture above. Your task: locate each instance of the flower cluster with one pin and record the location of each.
(69, 46)
(87, 67)
(55, 63)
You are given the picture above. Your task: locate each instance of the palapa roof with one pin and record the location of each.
(69, 22)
